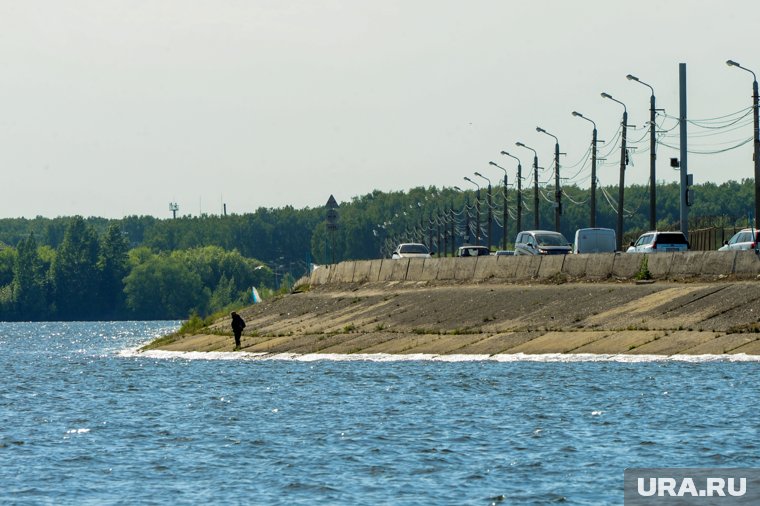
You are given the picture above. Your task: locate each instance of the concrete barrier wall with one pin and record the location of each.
(688, 264)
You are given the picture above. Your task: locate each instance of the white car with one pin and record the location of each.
(746, 239)
(410, 250)
(659, 242)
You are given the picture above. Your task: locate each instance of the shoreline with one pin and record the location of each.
(607, 318)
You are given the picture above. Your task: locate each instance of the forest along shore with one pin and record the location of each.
(662, 318)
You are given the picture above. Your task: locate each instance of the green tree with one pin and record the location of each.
(75, 273)
(29, 283)
(163, 288)
(113, 266)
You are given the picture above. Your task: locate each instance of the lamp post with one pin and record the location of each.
(592, 221)
(505, 215)
(756, 156)
(466, 237)
(536, 223)
(557, 189)
(477, 211)
(519, 190)
(652, 155)
(490, 209)
(623, 163)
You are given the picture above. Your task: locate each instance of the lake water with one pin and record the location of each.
(85, 420)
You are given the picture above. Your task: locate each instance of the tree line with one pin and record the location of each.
(143, 267)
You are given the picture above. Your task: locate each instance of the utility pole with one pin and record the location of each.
(505, 216)
(592, 220)
(623, 163)
(557, 189)
(756, 138)
(621, 190)
(536, 221)
(652, 155)
(652, 164)
(453, 237)
(684, 215)
(519, 190)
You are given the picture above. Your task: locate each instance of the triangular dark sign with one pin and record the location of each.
(331, 203)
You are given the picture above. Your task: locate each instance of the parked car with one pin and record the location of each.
(746, 239)
(410, 250)
(472, 251)
(505, 253)
(541, 242)
(594, 240)
(656, 241)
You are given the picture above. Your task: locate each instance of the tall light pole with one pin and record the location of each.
(536, 222)
(756, 157)
(490, 207)
(466, 238)
(652, 155)
(592, 221)
(623, 163)
(519, 189)
(477, 211)
(557, 189)
(505, 216)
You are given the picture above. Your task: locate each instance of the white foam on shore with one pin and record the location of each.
(422, 357)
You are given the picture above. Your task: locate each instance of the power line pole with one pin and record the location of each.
(593, 178)
(623, 163)
(684, 215)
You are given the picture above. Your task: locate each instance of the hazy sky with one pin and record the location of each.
(111, 108)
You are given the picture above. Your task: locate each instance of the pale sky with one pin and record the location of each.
(112, 108)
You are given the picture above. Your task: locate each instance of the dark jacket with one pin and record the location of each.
(238, 324)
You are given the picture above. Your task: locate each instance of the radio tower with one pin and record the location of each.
(173, 207)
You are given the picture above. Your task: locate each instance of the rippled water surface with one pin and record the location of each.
(82, 422)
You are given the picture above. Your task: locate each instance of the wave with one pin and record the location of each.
(420, 357)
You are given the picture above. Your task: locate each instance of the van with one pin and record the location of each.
(594, 240)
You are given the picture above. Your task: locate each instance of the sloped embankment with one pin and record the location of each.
(664, 318)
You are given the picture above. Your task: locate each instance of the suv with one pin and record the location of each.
(410, 250)
(541, 242)
(748, 238)
(654, 242)
(472, 251)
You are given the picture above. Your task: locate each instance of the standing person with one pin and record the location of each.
(238, 324)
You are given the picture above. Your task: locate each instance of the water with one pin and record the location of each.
(84, 422)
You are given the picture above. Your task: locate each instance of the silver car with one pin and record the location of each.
(541, 242)
(746, 239)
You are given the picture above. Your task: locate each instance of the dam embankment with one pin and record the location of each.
(699, 303)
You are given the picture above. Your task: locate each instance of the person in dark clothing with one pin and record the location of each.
(238, 324)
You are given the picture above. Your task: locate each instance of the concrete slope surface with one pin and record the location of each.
(662, 318)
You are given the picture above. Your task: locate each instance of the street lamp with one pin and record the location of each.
(466, 237)
(592, 221)
(490, 213)
(652, 155)
(557, 189)
(536, 224)
(623, 163)
(519, 190)
(477, 211)
(505, 216)
(756, 157)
